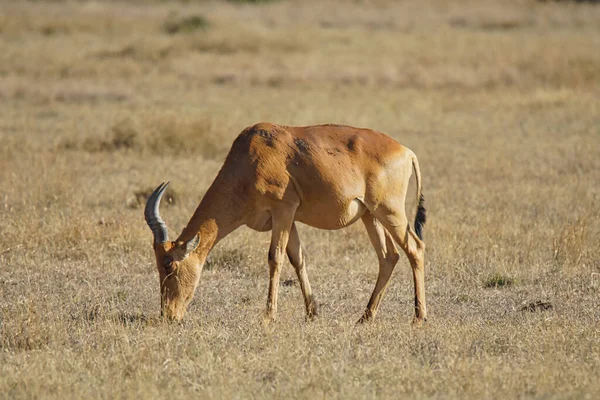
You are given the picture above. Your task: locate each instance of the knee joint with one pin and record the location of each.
(393, 257)
(417, 258)
(275, 259)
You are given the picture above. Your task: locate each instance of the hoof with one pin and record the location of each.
(312, 311)
(311, 316)
(268, 318)
(419, 322)
(368, 316)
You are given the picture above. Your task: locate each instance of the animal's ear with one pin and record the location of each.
(191, 244)
(183, 249)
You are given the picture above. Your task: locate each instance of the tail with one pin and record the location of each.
(421, 215)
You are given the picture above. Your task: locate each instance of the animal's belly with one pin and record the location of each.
(330, 215)
(261, 221)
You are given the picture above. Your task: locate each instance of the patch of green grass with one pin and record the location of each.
(497, 280)
(186, 25)
(252, 1)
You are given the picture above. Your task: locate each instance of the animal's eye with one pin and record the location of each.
(168, 264)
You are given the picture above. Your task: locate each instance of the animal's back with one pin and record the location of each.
(333, 169)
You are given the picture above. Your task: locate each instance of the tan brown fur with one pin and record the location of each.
(326, 176)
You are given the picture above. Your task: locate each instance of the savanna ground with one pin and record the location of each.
(102, 101)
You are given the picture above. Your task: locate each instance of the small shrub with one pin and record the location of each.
(252, 1)
(158, 135)
(129, 319)
(498, 280)
(290, 282)
(122, 136)
(537, 306)
(186, 24)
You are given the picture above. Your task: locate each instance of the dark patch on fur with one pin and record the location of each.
(264, 133)
(352, 144)
(268, 136)
(301, 145)
(421, 217)
(274, 182)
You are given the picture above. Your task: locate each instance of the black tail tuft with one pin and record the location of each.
(421, 217)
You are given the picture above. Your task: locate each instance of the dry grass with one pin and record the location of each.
(100, 101)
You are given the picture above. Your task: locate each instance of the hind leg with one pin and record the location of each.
(395, 221)
(388, 258)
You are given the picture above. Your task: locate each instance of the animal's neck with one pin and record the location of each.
(218, 214)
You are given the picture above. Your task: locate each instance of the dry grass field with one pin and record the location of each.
(101, 101)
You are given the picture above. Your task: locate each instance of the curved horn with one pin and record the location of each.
(152, 215)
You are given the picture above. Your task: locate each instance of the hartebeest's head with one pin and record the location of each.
(178, 266)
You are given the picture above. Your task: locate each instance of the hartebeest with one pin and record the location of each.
(326, 176)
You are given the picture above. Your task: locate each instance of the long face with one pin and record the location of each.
(179, 275)
(178, 265)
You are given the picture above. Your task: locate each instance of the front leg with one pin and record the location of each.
(296, 255)
(282, 223)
